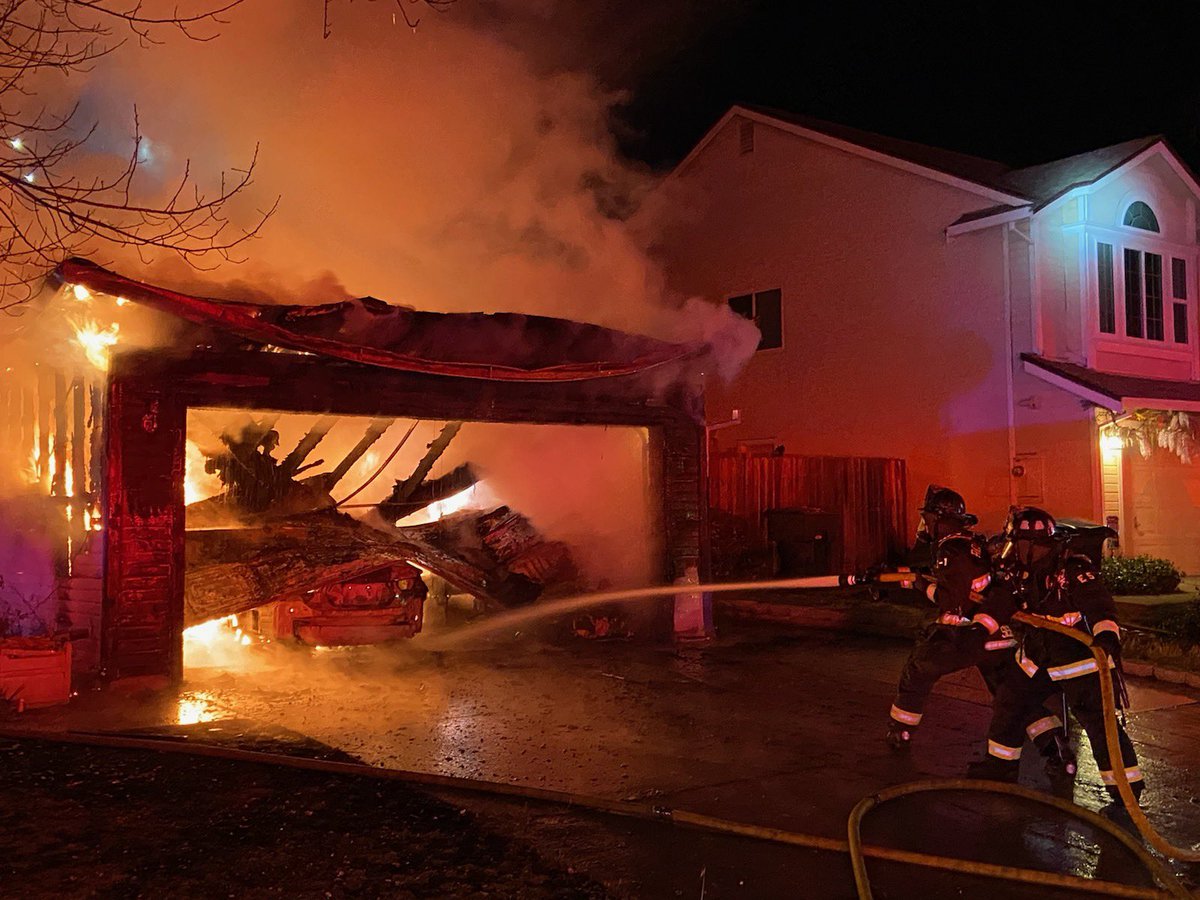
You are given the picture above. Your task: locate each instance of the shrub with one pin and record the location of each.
(1140, 575)
(1181, 621)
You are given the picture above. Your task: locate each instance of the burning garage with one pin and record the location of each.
(318, 471)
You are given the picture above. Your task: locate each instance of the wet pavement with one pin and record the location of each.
(770, 727)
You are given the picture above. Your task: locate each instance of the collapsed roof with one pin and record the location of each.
(487, 346)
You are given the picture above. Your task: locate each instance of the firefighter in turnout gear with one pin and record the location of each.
(1044, 577)
(961, 571)
(943, 514)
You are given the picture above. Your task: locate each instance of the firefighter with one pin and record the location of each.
(1045, 578)
(961, 572)
(942, 515)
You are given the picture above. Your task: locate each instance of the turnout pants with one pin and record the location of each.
(946, 649)
(1019, 693)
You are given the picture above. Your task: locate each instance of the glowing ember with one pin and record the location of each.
(96, 342)
(81, 293)
(196, 707)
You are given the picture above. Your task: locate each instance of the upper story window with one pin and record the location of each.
(1142, 281)
(763, 308)
(1140, 215)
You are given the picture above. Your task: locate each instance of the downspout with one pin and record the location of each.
(1011, 408)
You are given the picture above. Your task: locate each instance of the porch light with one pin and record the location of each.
(1111, 443)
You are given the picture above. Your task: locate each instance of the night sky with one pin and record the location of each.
(1021, 83)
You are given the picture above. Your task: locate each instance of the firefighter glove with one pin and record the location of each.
(1109, 642)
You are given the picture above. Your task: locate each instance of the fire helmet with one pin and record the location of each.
(1030, 535)
(943, 512)
(1028, 523)
(947, 504)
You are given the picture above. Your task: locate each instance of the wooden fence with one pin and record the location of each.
(869, 494)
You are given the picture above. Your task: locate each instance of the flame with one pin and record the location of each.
(197, 484)
(81, 293)
(96, 342)
(35, 459)
(474, 497)
(196, 707)
(219, 642)
(213, 632)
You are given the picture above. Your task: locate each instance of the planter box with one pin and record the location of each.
(35, 672)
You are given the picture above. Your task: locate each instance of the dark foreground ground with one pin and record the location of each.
(81, 821)
(773, 727)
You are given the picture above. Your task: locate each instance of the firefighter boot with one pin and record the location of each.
(1136, 786)
(899, 736)
(1059, 756)
(992, 769)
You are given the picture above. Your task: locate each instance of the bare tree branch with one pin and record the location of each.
(48, 208)
(407, 11)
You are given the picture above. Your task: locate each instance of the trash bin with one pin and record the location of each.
(804, 539)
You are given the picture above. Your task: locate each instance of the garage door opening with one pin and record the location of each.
(310, 532)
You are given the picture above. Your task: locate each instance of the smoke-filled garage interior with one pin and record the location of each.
(337, 474)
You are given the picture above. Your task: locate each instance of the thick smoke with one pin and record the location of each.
(438, 169)
(449, 169)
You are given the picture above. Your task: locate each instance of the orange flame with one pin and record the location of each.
(96, 342)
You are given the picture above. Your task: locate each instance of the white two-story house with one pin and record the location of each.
(1024, 335)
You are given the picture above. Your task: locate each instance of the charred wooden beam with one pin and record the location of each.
(405, 489)
(45, 390)
(6, 416)
(58, 483)
(294, 461)
(78, 443)
(28, 424)
(374, 432)
(233, 570)
(430, 491)
(96, 425)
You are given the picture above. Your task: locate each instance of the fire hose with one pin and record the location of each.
(690, 820)
(858, 851)
(1112, 741)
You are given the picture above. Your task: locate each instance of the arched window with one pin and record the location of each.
(1140, 215)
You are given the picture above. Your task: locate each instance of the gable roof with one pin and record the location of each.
(1029, 187)
(1046, 182)
(984, 172)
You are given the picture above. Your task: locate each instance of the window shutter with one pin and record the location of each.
(1108, 305)
(1179, 293)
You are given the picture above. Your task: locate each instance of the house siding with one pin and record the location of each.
(894, 337)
